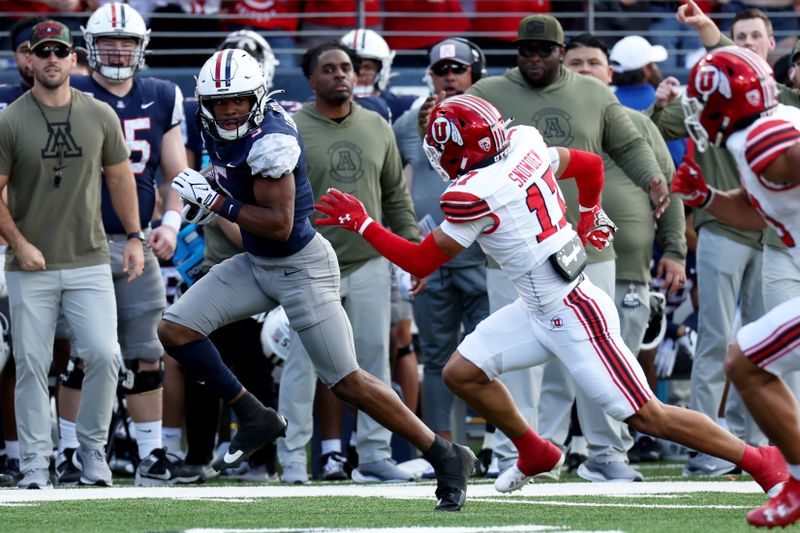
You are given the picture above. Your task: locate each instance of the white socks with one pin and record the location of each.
(172, 439)
(148, 437)
(330, 446)
(12, 449)
(69, 438)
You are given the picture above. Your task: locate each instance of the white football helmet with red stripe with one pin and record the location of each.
(728, 90)
(369, 45)
(464, 132)
(256, 46)
(231, 73)
(116, 21)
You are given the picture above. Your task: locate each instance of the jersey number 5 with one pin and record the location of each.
(538, 204)
(130, 127)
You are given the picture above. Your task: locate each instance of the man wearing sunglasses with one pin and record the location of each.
(577, 112)
(54, 142)
(456, 292)
(151, 112)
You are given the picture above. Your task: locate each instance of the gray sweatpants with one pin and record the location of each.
(87, 298)
(720, 285)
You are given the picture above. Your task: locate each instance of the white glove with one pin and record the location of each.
(665, 358)
(194, 214)
(195, 188)
(688, 342)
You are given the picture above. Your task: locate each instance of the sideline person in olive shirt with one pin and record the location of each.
(629, 207)
(54, 142)
(354, 150)
(577, 112)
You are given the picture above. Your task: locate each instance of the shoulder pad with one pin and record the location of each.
(768, 140)
(459, 206)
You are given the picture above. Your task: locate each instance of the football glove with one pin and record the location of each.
(343, 210)
(665, 358)
(690, 185)
(194, 214)
(195, 188)
(595, 227)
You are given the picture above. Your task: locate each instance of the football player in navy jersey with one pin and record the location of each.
(151, 111)
(258, 180)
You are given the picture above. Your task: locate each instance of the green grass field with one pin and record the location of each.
(667, 502)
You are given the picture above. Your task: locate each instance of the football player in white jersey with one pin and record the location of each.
(731, 99)
(504, 195)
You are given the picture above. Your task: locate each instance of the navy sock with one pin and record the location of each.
(201, 361)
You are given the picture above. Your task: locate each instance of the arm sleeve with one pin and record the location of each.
(627, 148)
(273, 155)
(396, 203)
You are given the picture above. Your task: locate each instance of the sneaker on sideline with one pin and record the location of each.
(334, 467)
(383, 471)
(295, 474)
(257, 474)
(9, 473)
(644, 450)
(66, 472)
(93, 466)
(514, 479)
(36, 479)
(702, 464)
(162, 468)
(616, 472)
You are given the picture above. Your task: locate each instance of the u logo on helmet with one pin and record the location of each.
(709, 80)
(443, 130)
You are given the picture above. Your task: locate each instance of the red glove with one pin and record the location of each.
(343, 210)
(595, 227)
(689, 184)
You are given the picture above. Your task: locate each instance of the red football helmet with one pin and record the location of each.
(464, 132)
(728, 89)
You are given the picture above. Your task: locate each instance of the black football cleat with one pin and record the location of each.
(451, 488)
(260, 428)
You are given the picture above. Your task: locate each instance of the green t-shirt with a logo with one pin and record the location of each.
(54, 176)
(574, 112)
(357, 155)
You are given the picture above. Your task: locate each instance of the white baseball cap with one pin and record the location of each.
(634, 52)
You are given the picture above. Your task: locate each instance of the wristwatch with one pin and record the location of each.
(136, 235)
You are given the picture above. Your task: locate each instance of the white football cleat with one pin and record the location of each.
(514, 479)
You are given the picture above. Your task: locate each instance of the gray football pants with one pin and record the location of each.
(608, 440)
(366, 299)
(87, 298)
(720, 285)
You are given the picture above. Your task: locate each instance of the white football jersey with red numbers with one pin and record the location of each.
(754, 148)
(513, 208)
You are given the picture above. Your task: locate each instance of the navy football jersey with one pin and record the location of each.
(9, 93)
(398, 103)
(267, 153)
(150, 109)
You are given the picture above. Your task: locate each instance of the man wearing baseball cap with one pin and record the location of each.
(578, 112)
(456, 292)
(56, 143)
(634, 60)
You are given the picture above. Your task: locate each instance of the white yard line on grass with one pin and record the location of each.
(399, 491)
(420, 529)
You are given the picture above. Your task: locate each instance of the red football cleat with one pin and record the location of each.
(782, 510)
(771, 471)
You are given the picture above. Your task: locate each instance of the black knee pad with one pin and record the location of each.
(72, 377)
(142, 382)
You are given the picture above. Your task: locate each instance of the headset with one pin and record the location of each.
(479, 59)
